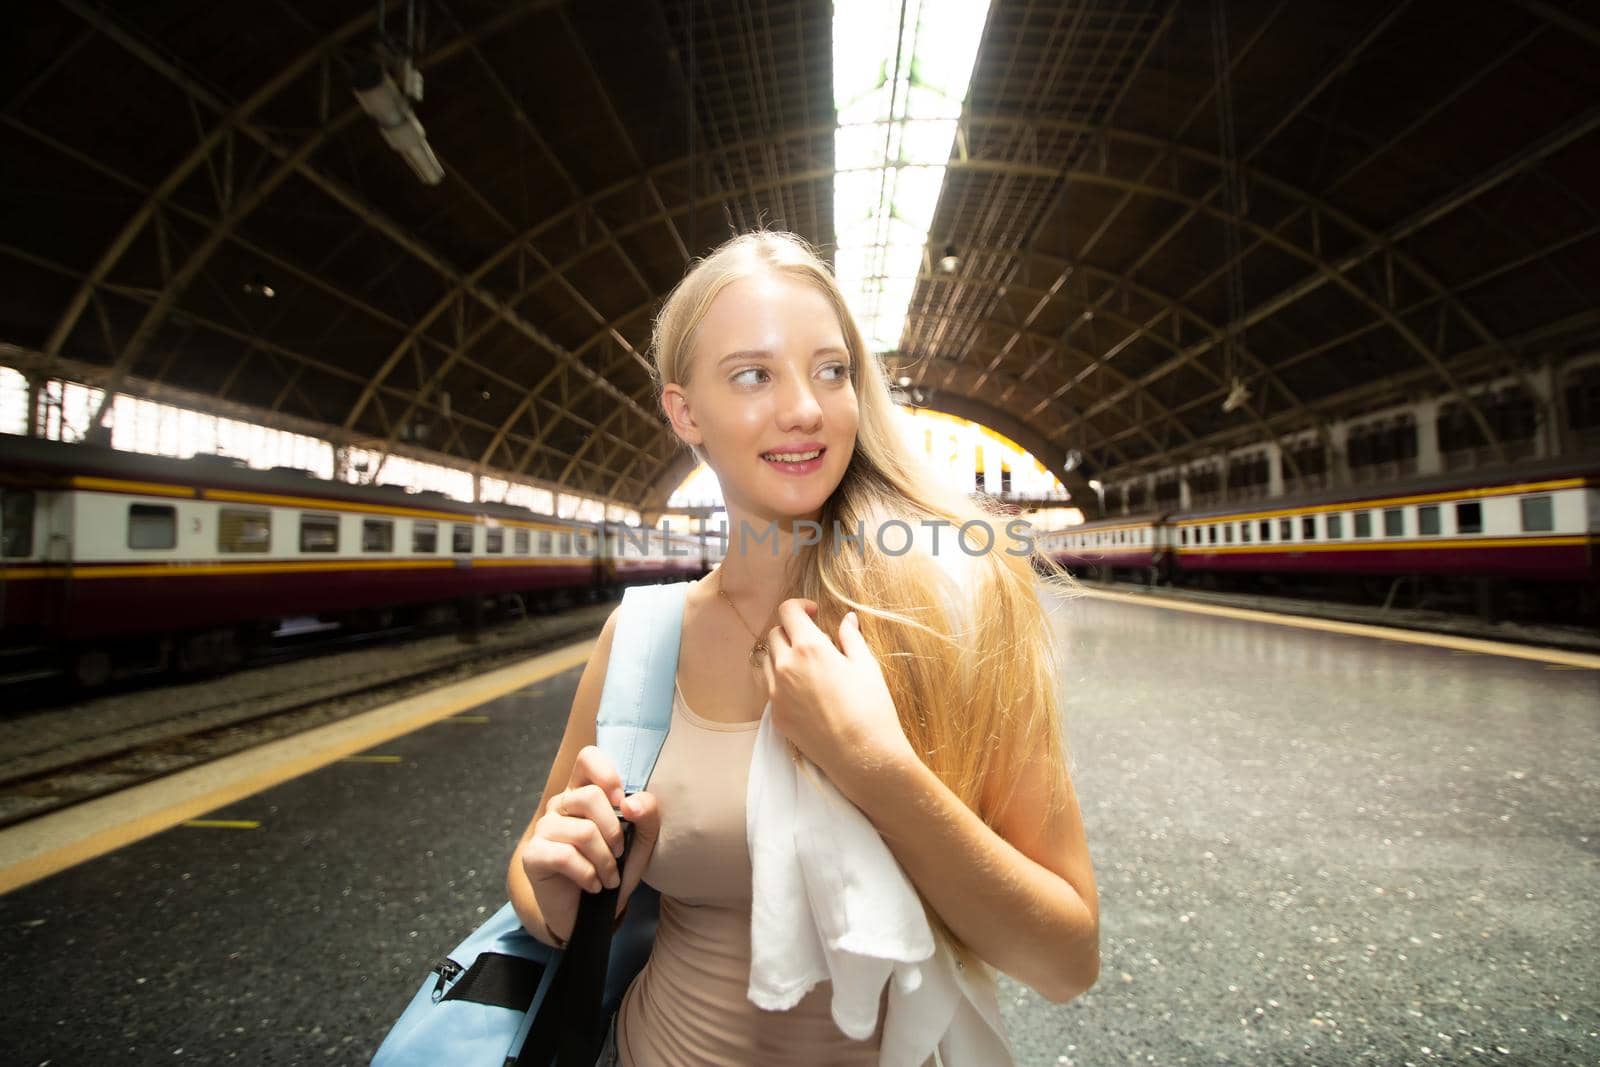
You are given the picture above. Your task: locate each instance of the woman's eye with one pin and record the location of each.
(841, 372)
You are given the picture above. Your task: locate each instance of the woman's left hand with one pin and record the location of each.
(830, 699)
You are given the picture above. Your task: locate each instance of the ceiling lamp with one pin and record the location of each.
(257, 286)
(381, 98)
(1238, 396)
(949, 261)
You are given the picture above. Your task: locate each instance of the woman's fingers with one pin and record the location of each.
(582, 834)
(590, 802)
(642, 811)
(594, 767)
(544, 858)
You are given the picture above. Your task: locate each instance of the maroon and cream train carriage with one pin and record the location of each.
(109, 554)
(1536, 522)
(1533, 528)
(1125, 543)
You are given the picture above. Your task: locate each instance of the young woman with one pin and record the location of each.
(916, 673)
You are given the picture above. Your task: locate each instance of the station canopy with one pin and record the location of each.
(1132, 232)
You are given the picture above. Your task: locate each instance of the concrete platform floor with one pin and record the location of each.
(1311, 848)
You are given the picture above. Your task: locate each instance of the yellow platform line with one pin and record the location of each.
(370, 759)
(470, 720)
(51, 843)
(223, 824)
(1462, 645)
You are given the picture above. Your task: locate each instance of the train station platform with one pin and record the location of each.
(1311, 846)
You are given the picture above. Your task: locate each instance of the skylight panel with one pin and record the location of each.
(900, 76)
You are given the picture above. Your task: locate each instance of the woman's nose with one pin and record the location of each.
(797, 404)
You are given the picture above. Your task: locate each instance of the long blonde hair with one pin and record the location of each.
(976, 687)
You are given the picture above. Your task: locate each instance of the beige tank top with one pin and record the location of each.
(688, 1008)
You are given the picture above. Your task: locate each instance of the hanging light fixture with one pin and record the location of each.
(386, 84)
(1238, 396)
(950, 260)
(257, 286)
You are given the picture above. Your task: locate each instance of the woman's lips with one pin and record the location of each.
(806, 467)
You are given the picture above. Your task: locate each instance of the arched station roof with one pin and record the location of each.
(1401, 197)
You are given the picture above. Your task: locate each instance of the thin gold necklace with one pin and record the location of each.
(759, 649)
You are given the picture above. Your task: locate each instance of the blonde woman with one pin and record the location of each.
(917, 674)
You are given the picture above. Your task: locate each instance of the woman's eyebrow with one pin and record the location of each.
(762, 353)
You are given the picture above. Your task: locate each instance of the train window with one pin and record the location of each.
(1227, 532)
(1183, 535)
(1211, 535)
(566, 544)
(1286, 529)
(152, 526)
(319, 533)
(1469, 517)
(1394, 522)
(1264, 528)
(582, 541)
(377, 535)
(1428, 519)
(1244, 532)
(243, 531)
(425, 537)
(519, 542)
(1537, 514)
(546, 542)
(1308, 527)
(461, 538)
(16, 523)
(1363, 524)
(1335, 525)
(494, 539)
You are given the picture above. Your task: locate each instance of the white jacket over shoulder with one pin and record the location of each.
(829, 902)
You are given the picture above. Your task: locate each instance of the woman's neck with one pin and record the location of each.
(758, 570)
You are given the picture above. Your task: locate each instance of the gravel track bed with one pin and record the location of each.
(53, 757)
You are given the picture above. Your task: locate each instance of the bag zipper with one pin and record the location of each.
(447, 970)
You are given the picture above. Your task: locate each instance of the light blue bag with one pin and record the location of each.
(481, 1005)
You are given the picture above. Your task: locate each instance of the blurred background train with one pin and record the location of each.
(1518, 542)
(113, 561)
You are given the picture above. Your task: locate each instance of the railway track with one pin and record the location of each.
(54, 777)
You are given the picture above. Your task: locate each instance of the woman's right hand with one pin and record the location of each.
(575, 843)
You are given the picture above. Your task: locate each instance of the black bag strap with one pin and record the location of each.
(579, 1026)
(569, 1028)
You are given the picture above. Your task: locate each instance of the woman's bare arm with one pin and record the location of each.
(579, 733)
(1022, 898)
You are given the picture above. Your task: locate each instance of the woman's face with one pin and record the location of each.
(769, 372)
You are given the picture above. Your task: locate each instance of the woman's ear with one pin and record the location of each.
(675, 402)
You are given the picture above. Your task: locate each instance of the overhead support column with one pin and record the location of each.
(35, 405)
(1547, 437)
(1427, 416)
(1338, 454)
